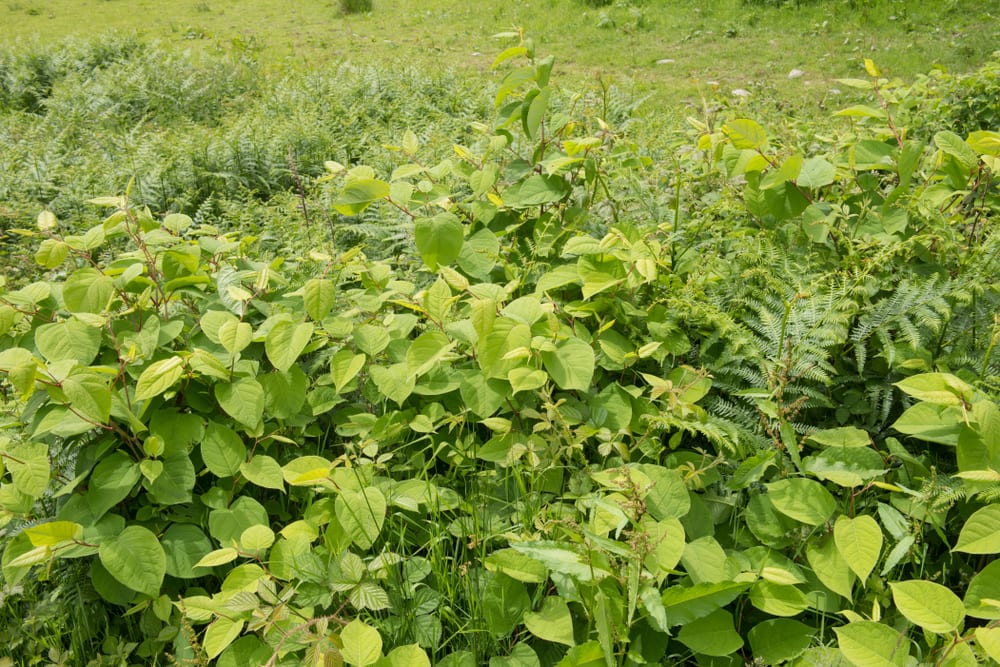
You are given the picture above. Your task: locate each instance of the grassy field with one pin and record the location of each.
(671, 50)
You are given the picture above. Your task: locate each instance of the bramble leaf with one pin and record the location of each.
(362, 644)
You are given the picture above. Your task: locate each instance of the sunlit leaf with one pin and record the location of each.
(571, 366)
(931, 606)
(859, 541)
(713, 634)
(745, 133)
(869, 644)
(286, 341)
(136, 559)
(53, 532)
(552, 622)
(361, 514)
(802, 499)
(439, 239)
(981, 532)
(362, 644)
(359, 194)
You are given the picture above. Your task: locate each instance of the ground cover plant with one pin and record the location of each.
(517, 390)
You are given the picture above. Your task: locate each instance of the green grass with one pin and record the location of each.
(724, 44)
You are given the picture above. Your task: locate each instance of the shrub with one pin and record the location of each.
(355, 6)
(594, 410)
(971, 102)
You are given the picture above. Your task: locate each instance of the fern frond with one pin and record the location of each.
(990, 495)
(725, 435)
(911, 313)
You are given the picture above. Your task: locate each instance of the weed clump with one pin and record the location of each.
(355, 6)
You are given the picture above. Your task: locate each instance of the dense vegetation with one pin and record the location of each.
(363, 367)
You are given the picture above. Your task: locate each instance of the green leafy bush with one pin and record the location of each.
(597, 410)
(962, 103)
(355, 6)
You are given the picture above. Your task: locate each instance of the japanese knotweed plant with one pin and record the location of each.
(492, 451)
(859, 265)
(643, 549)
(178, 406)
(249, 460)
